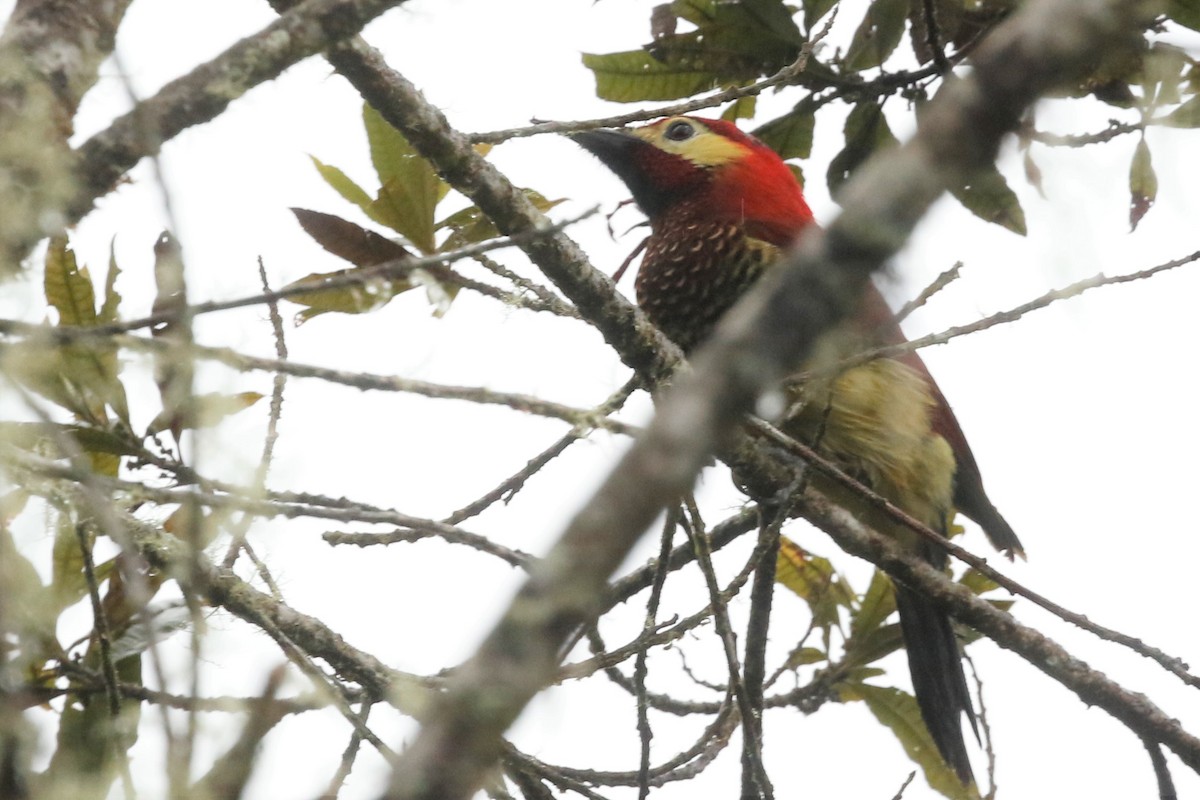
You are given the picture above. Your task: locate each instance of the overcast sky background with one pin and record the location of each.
(1082, 416)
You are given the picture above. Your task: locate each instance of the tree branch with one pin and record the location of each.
(50, 54)
(205, 92)
(767, 335)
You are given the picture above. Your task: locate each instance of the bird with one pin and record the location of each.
(722, 207)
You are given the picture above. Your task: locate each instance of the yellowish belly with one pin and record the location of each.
(874, 421)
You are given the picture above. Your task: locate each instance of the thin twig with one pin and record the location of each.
(933, 36)
(1013, 314)
(761, 594)
(348, 757)
(682, 766)
(529, 404)
(108, 669)
(985, 726)
(940, 282)
(1162, 772)
(1172, 664)
(446, 533)
(395, 268)
(899, 795)
(513, 484)
(1114, 129)
(239, 542)
(694, 526)
(645, 733)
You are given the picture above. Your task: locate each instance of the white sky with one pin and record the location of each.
(1082, 416)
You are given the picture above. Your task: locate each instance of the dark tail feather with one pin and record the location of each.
(997, 529)
(937, 675)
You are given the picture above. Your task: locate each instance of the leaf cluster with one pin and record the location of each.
(899, 49)
(856, 631)
(406, 202)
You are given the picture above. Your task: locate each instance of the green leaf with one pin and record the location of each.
(727, 23)
(948, 17)
(407, 204)
(988, 197)
(797, 173)
(804, 656)
(30, 614)
(470, 225)
(635, 75)
(44, 437)
(877, 605)
(898, 711)
(89, 737)
(1185, 116)
(410, 189)
(742, 108)
(815, 11)
(776, 17)
(1163, 70)
(341, 183)
(874, 644)
(866, 131)
(977, 582)
(67, 582)
(1185, 12)
(697, 12)
(791, 136)
(877, 35)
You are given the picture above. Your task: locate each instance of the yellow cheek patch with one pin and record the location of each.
(705, 149)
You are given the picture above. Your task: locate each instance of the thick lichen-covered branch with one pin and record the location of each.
(50, 54)
(205, 92)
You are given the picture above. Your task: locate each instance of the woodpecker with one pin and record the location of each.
(722, 206)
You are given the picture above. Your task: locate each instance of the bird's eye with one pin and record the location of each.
(679, 131)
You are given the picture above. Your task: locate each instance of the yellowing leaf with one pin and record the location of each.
(112, 299)
(1185, 116)
(68, 286)
(898, 711)
(813, 579)
(353, 298)
(207, 409)
(342, 184)
(81, 377)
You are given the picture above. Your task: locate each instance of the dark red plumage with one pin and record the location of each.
(721, 206)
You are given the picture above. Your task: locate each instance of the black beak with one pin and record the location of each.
(613, 147)
(623, 153)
